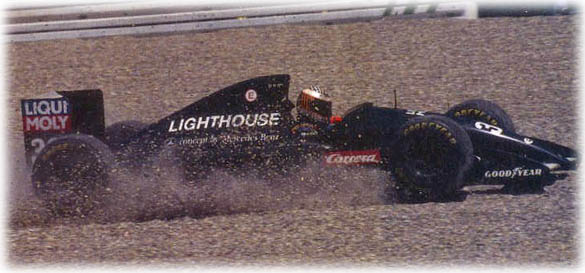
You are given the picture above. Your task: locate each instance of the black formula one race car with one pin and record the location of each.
(431, 156)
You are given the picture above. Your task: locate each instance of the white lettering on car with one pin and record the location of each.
(415, 112)
(251, 95)
(516, 172)
(47, 123)
(494, 130)
(225, 121)
(46, 107)
(50, 115)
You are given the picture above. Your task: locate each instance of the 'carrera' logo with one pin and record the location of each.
(225, 121)
(518, 171)
(353, 157)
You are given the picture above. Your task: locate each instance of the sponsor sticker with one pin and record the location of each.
(516, 172)
(494, 130)
(225, 121)
(275, 85)
(46, 115)
(415, 113)
(305, 129)
(251, 95)
(361, 157)
(223, 139)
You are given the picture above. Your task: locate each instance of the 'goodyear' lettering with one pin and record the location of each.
(513, 173)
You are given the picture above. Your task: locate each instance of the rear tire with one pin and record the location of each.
(429, 159)
(484, 111)
(71, 173)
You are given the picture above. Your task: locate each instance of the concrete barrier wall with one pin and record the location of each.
(152, 17)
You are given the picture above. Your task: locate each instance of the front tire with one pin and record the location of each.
(71, 172)
(429, 159)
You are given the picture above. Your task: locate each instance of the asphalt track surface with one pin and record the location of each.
(324, 217)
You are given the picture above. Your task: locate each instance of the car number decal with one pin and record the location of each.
(488, 128)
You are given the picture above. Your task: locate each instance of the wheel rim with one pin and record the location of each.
(70, 178)
(429, 155)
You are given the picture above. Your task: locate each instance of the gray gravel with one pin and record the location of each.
(527, 65)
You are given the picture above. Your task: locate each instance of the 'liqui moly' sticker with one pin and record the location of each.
(46, 115)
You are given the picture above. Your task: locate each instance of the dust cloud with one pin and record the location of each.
(159, 191)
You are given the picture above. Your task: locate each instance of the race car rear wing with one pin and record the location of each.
(58, 113)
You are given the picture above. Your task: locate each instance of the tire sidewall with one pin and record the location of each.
(51, 168)
(481, 110)
(446, 181)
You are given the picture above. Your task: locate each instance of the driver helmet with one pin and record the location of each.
(314, 104)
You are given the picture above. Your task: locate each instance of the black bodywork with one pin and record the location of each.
(253, 123)
(60, 113)
(500, 157)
